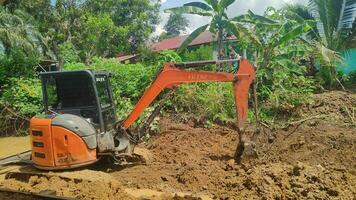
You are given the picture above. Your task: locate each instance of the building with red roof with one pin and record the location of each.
(175, 42)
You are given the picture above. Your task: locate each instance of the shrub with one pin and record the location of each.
(203, 52)
(17, 64)
(21, 99)
(210, 101)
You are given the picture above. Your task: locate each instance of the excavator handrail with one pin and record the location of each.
(171, 76)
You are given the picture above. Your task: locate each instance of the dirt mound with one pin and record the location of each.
(335, 105)
(84, 184)
(315, 160)
(284, 181)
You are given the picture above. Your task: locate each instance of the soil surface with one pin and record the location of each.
(310, 158)
(11, 145)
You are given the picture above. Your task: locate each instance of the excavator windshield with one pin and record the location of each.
(70, 91)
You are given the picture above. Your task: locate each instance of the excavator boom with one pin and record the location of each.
(171, 75)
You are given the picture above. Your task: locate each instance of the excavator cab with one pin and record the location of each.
(78, 121)
(83, 93)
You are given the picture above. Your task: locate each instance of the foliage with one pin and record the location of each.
(168, 56)
(335, 22)
(20, 99)
(277, 42)
(160, 37)
(24, 95)
(94, 28)
(99, 36)
(203, 52)
(350, 78)
(17, 64)
(68, 53)
(17, 30)
(219, 23)
(138, 17)
(210, 101)
(175, 25)
(336, 25)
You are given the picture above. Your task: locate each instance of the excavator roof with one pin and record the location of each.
(63, 73)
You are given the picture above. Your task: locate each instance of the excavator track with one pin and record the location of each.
(20, 158)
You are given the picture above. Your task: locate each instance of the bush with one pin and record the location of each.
(21, 99)
(24, 94)
(210, 101)
(68, 53)
(203, 52)
(17, 64)
(20, 90)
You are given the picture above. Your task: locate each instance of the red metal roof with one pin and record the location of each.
(175, 42)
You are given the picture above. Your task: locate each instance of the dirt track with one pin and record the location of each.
(311, 160)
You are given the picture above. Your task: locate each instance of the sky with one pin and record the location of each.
(239, 7)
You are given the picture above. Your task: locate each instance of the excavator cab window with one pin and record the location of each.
(103, 91)
(106, 102)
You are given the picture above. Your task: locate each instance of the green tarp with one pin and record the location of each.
(349, 64)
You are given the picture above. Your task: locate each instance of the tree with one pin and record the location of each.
(175, 24)
(99, 36)
(335, 22)
(219, 23)
(139, 17)
(336, 32)
(266, 34)
(17, 30)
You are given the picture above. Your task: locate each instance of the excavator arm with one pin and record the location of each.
(172, 75)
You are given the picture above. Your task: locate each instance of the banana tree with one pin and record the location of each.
(268, 34)
(219, 23)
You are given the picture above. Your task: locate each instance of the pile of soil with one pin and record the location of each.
(315, 162)
(84, 184)
(314, 159)
(333, 106)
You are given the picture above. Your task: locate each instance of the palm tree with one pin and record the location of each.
(216, 10)
(16, 30)
(335, 22)
(336, 27)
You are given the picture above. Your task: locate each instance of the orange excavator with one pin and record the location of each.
(80, 125)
